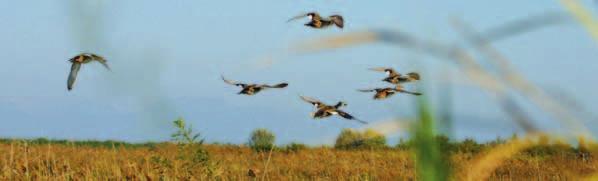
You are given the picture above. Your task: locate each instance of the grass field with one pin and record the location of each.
(27, 160)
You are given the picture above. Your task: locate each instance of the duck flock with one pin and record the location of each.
(322, 110)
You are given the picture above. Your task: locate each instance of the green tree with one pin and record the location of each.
(262, 140)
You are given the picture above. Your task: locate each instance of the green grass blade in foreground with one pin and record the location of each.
(430, 163)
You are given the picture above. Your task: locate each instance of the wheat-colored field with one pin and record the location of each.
(22, 161)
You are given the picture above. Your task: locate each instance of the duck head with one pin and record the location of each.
(311, 15)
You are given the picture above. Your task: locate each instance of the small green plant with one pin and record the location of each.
(262, 140)
(191, 151)
(369, 139)
(184, 134)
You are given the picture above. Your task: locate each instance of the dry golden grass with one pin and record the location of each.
(19, 161)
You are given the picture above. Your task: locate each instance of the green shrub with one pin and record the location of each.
(294, 147)
(369, 139)
(444, 143)
(404, 144)
(262, 140)
(468, 146)
(496, 142)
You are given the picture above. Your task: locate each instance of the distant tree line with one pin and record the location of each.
(262, 140)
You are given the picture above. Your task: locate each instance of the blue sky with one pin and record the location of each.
(167, 58)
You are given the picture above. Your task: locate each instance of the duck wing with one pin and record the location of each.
(231, 82)
(311, 100)
(392, 72)
(337, 20)
(105, 64)
(349, 117)
(297, 17)
(281, 85)
(366, 90)
(379, 69)
(73, 75)
(409, 92)
(100, 59)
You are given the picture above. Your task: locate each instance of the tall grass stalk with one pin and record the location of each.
(430, 164)
(516, 80)
(583, 16)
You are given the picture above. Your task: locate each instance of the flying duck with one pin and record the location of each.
(252, 89)
(383, 93)
(317, 21)
(79, 60)
(394, 77)
(323, 110)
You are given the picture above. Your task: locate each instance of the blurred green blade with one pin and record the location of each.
(430, 163)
